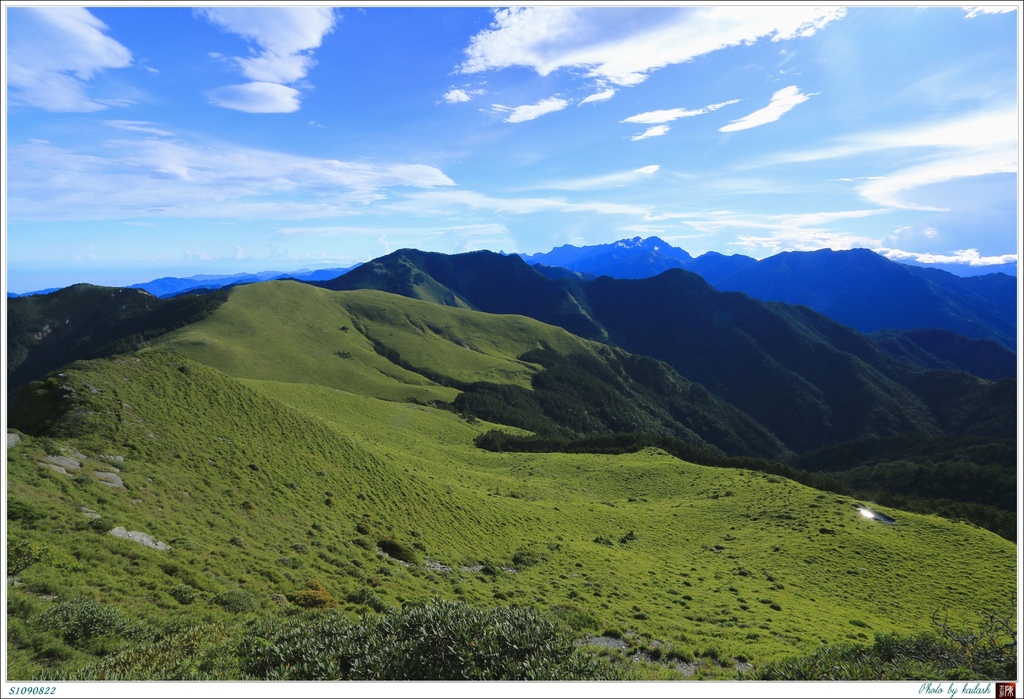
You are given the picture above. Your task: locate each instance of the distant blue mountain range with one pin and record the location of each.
(858, 288)
(639, 258)
(166, 287)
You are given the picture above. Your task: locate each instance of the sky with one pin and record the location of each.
(144, 142)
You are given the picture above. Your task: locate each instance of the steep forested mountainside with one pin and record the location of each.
(810, 380)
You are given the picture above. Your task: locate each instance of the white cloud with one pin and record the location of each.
(642, 230)
(781, 102)
(464, 238)
(53, 52)
(281, 31)
(438, 201)
(287, 37)
(453, 96)
(615, 179)
(529, 112)
(969, 257)
(651, 132)
(917, 235)
(716, 220)
(661, 116)
(894, 190)
(983, 131)
(140, 126)
(974, 11)
(272, 68)
(804, 231)
(256, 98)
(601, 96)
(334, 231)
(971, 145)
(621, 46)
(140, 178)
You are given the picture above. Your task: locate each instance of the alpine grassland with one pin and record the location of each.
(285, 489)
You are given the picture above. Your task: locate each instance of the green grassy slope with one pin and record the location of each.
(295, 332)
(387, 346)
(83, 321)
(260, 484)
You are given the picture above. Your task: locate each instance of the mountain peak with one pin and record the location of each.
(627, 258)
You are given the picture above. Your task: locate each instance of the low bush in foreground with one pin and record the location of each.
(950, 654)
(426, 641)
(431, 641)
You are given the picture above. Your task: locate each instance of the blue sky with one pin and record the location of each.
(170, 141)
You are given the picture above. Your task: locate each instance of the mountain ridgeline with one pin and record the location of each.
(858, 288)
(809, 380)
(83, 321)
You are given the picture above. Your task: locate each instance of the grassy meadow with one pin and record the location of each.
(274, 443)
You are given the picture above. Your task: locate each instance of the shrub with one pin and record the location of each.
(19, 510)
(183, 594)
(315, 596)
(679, 655)
(430, 641)
(22, 553)
(951, 654)
(524, 558)
(79, 620)
(235, 600)
(397, 549)
(369, 598)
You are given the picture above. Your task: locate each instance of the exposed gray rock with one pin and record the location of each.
(63, 462)
(139, 537)
(604, 641)
(12, 439)
(439, 567)
(109, 479)
(55, 467)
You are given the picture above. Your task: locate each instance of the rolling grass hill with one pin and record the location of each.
(292, 436)
(258, 486)
(387, 346)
